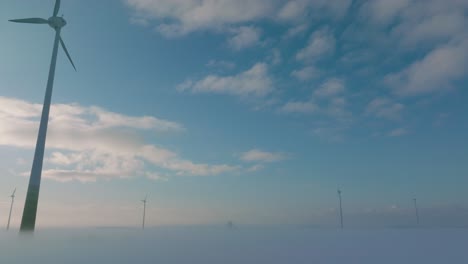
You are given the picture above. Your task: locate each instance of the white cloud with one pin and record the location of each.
(398, 132)
(221, 64)
(256, 155)
(106, 119)
(327, 100)
(337, 109)
(334, 108)
(184, 16)
(294, 10)
(434, 73)
(306, 107)
(89, 143)
(333, 9)
(256, 168)
(244, 37)
(385, 108)
(419, 22)
(306, 73)
(254, 82)
(384, 11)
(172, 30)
(442, 26)
(329, 130)
(180, 17)
(321, 43)
(330, 88)
(275, 58)
(157, 176)
(296, 30)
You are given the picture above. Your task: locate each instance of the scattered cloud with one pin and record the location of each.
(436, 72)
(254, 82)
(398, 132)
(244, 37)
(221, 64)
(296, 30)
(330, 88)
(256, 155)
(321, 43)
(292, 10)
(275, 57)
(157, 176)
(337, 109)
(91, 143)
(384, 12)
(327, 100)
(177, 18)
(299, 10)
(384, 108)
(420, 47)
(330, 131)
(328, 108)
(305, 74)
(431, 29)
(256, 168)
(440, 119)
(181, 17)
(306, 107)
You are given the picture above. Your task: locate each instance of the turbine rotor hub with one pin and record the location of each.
(57, 22)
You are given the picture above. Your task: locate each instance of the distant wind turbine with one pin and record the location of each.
(341, 208)
(144, 210)
(416, 211)
(11, 208)
(28, 222)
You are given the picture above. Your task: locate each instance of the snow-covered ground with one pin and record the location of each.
(241, 245)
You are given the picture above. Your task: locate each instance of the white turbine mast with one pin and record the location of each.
(341, 208)
(144, 201)
(416, 211)
(11, 208)
(28, 221)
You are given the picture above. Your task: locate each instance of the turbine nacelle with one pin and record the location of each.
(57, 22)
(54, 22)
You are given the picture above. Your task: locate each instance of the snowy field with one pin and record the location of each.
(242, 245)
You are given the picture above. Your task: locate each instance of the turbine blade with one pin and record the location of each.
(14, 192)
(66, 52)
(57, 7)
(33, 20)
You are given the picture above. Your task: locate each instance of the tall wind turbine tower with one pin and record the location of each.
(416, 211)
(11, 208)
(341, 208)
(28, 222)
(144, 210)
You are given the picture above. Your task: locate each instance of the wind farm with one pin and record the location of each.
(233, 131)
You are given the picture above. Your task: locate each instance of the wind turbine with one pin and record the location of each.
(144, 210)
(416, 210)
(11, 208)
(28, 222)
(341, 208)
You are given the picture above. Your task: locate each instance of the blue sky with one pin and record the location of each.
(251, 111)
